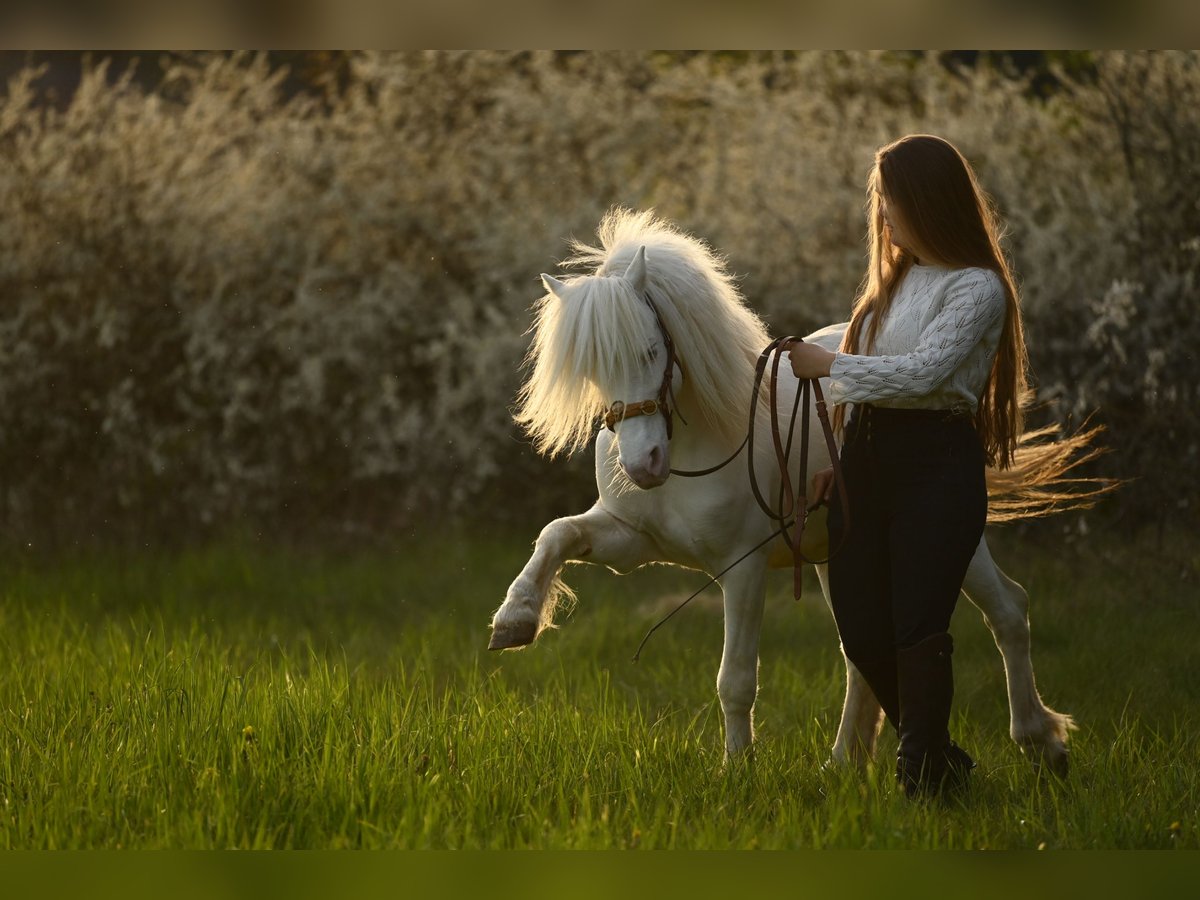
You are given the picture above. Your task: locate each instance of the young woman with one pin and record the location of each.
(933, 364)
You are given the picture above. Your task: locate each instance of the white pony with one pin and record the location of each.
(596, 340)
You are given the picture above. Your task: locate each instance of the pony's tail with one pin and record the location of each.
(1039, 481)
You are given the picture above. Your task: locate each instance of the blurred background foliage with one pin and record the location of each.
(289, 292)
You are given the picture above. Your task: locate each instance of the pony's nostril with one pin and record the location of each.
(656, 458)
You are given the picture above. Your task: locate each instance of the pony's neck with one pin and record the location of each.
(698, 438)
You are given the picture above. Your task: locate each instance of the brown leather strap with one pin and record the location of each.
(619, 411)
(794, 500)
(700, 473)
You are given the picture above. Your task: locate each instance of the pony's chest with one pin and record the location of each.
(687, 528)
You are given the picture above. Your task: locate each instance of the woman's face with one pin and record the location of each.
(895, 231)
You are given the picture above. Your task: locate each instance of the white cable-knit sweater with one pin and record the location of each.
(935, 346)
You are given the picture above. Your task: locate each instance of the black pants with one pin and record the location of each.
(918, 503)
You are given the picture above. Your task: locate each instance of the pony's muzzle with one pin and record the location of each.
(651, 470)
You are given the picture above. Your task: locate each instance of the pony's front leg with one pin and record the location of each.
(596, 537)
(861, 713)
(737, 680)
(1040, 732)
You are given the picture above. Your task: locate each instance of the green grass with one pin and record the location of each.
(243, 695)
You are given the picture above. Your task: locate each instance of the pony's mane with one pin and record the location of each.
(593, 338)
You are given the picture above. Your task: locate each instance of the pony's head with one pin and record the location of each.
(597, 339)
(629, 364)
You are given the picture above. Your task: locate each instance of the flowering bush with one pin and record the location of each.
(223, 304)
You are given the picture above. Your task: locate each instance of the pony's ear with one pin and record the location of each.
(636, 273)
(554, 286)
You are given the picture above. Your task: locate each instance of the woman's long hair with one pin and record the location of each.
(932, 193)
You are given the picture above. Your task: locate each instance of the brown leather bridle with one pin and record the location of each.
(619, 411)
(792, 504)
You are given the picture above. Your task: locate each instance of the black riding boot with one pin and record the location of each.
(928, 762)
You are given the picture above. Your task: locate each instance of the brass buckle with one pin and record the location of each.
(615, 414)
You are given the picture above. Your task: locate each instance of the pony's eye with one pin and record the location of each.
(651, 351)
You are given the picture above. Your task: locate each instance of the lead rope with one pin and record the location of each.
(785, 513)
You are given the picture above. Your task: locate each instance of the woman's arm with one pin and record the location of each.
(973, 306)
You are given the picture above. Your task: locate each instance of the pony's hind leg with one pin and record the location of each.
(1039, 731)
(862, 715)
(862, 719)
(596, 537)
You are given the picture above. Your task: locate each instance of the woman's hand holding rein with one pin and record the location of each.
(810, 360)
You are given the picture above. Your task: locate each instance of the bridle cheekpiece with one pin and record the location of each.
(619, 411)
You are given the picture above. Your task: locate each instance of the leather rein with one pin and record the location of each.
(791, 507)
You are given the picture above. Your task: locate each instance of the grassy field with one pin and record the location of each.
(244, 695)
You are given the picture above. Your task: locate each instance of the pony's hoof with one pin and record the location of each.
(506, 637)
(736, 761)
(1054, 760)
(1058, 764)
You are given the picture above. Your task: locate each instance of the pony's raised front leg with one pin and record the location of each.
(861, 713)
(595, 537)
(1040, 732)
(737, 680)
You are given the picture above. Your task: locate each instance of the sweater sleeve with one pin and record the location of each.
(973, 305)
